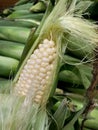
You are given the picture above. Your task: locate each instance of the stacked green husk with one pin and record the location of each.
(75, 73)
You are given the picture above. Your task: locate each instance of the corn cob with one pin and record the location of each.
(38, 69)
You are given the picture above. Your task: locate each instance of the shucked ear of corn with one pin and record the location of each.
(36, 78)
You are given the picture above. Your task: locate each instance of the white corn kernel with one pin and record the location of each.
(42, 88)
(45, 59)
(48, 50)
(43, 70)
(36, 66)
(44, 64)
(37, 100)
(50, 58)
(29, 81)
(38, 97)
(24, 71)
(26, 75)
(43, 82)
(35, 71)
(52, 44)
(42, 50)
(47, 77)
(45, 41)
(40, 45)
(46, 46)
(32, 62)
(36, 51)
(38, 61)
(26, 67)
(48, 73)
(48, 68)
(39, 55)
(45, 54)
(42, 75)
(33, 56)
(35, 82)
(40, 93)
(27, 85)
(53, 50)
(39, 78)
(32, 76)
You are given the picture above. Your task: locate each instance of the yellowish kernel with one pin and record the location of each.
(43, 70)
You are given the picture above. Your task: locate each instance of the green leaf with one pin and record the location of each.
(70, 125)
(84, 79)
(59, 116)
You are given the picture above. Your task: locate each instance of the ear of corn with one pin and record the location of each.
(23, 6)
(56, 40)
(25, 15)
(11, 49)
(20, 2)
(13, 33)
(42, 65)
(5, 62)
(19, 23)
(38, 7)
(37, 76)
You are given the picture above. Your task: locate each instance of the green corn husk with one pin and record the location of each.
(8, 66)
(91, 122)
(17, 34)
(23, 110)
(11, 49)
(29, 23)
(75, 71)
(21, 2)
(92, 118)
(60, 115)
(38, 7)
(19, 13)
(23, 6)
(70, 77)
(23, 15)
